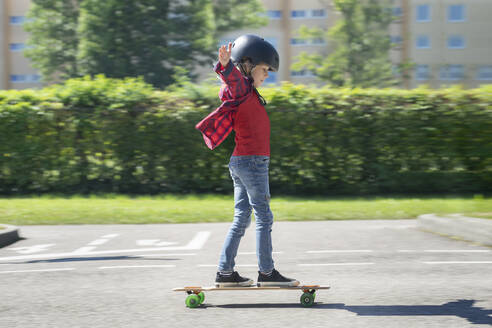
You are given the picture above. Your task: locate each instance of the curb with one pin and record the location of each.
(8, 235)
(458, 226)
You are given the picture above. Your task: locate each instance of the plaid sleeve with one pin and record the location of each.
(237, 85)
(218, 125)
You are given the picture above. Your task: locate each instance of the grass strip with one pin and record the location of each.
(120, 209)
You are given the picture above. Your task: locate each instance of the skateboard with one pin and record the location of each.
(196, 294)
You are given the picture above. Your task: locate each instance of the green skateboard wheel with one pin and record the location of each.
(201, 295)
(313, 292)
(192, 301)
(307, 299)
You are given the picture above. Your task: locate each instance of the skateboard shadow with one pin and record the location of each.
(462, 308)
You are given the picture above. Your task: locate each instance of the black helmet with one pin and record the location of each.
(256, 49)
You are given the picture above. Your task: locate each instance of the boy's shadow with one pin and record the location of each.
(461, 308)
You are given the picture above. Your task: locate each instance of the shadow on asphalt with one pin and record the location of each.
(461, 308)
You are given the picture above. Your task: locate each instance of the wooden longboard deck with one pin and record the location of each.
(213, 288)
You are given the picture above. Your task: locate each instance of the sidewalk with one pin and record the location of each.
(8, 235)
(458, 226)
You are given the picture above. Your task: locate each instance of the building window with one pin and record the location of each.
(422, 72)
(456, 42)
(423, 13)
(397, 11)
(298, 14)
(456, 13)
(298, 41)
(17, 78)
(484, 73)
(318, 13)
(17, 20)
(274, 14)
(423, 42)
(298, 73)
(318, 41)
(452, 72)
(22, 78)
(396, 39)
(17, 46)
(302, 73)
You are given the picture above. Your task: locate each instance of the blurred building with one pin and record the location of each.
(16, 71)
(446, 40)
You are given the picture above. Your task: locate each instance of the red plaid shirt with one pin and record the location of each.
(235, 90)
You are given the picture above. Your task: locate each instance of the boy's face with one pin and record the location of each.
(259, 74)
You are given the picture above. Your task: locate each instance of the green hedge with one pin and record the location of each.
(107, 135)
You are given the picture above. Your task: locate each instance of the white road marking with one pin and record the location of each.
(31, 249)
(154, 242)
(84, 250)
(215, 265)
(342, 251)
(199, 240)
(110, 236)
(254, 253)
(41, 270)
(98, 242)
(91, 246)
(159, 255)
(195, 244)
(458, 262)
(136, 266)
(457, 251)
(444, 251)
(330, 264)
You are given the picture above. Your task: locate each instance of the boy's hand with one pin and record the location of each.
(225, 54)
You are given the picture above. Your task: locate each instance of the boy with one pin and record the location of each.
(243, 110)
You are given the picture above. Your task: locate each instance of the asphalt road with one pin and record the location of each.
(382, 274)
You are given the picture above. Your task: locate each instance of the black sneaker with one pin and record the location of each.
(232, 280)
(275, 279)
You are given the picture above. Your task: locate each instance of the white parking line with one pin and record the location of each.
(41, 270)
(98, 242)
(334, 264)
(111, 235)
(457, 251)
(444, 251)
(136, 266)
(458, 262)
(92, 245)
(341, 251)
(159, 255)
(237, 265)
(254, 253)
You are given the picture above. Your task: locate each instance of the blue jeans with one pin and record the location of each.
(251, 192)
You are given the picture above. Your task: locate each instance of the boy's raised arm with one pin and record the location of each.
(229, 74)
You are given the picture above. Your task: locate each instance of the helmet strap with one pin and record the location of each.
(244, 69)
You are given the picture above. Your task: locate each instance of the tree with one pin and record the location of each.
(235, 14)
(53, 37)
(361, 46)
(148, 38)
